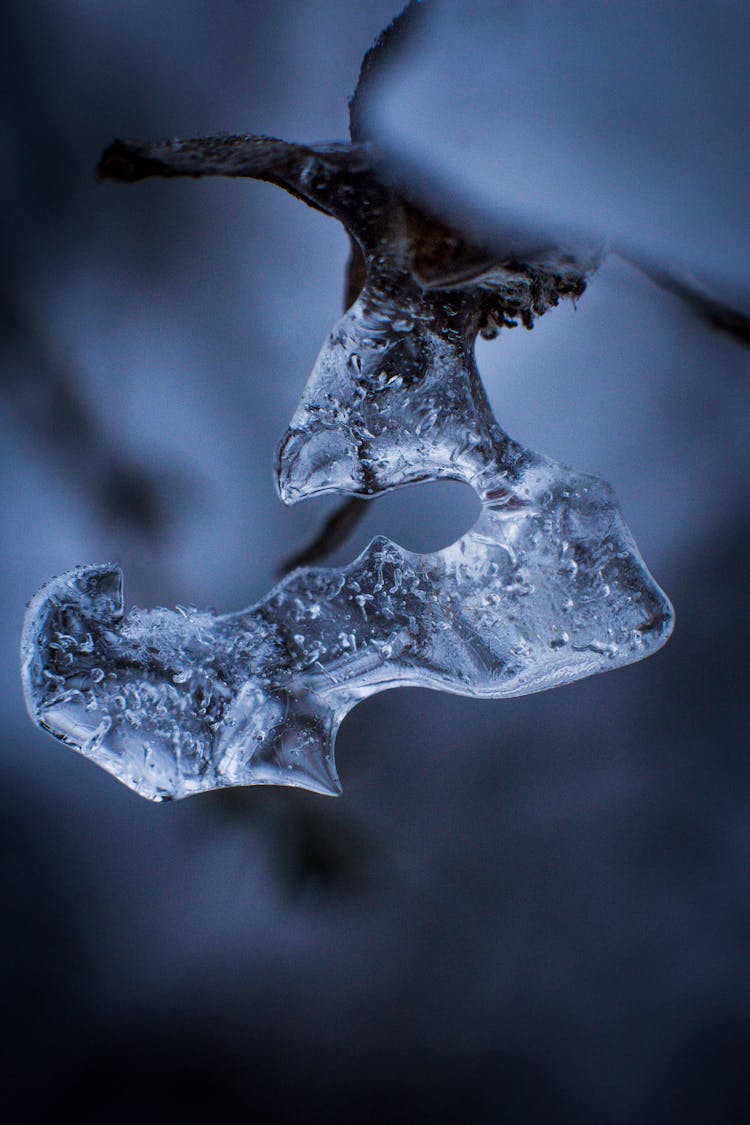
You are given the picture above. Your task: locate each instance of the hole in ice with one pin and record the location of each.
(420, 517)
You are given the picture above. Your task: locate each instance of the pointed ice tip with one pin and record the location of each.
(298, 752)
(324, 781)
(317, 461)
(311, 767)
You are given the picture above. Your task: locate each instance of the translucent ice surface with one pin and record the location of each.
(545, 588)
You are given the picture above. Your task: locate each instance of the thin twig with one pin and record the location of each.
(335, 531)
(714, 312)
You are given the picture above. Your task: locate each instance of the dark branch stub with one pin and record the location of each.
(333, 534)
(344, 181)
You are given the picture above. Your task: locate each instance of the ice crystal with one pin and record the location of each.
(545, 588)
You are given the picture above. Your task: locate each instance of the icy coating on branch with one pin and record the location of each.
(547, 587)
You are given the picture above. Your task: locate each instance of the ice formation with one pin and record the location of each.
(545, 588)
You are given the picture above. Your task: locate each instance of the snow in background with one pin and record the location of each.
(625, 120)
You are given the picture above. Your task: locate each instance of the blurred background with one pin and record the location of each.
(535, 910)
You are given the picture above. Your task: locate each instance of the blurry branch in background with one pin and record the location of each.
(318, 847)
(42, 392)
(339, 526)
(715, 313)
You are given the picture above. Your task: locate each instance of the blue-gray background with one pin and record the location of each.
(536, 910)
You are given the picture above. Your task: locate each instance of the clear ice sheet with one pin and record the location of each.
(546, 587)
